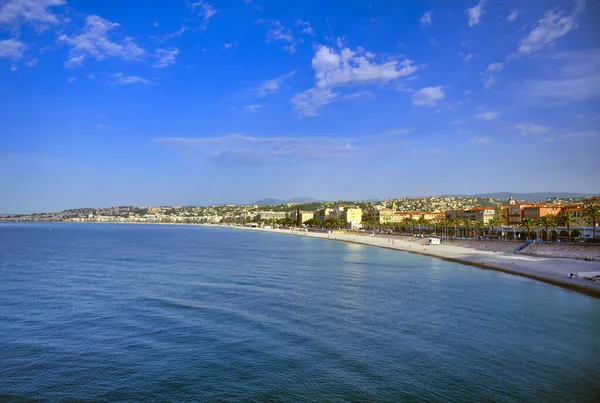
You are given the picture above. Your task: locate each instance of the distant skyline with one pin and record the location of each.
(209, 102)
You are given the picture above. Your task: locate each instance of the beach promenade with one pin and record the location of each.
(550, 270)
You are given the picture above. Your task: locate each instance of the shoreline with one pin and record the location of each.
(550, 270)
(554, 271)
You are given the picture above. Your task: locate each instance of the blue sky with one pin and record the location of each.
(191, 103)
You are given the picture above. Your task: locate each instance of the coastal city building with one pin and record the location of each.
(270, 215)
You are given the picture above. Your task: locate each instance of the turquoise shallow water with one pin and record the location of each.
(182, 313)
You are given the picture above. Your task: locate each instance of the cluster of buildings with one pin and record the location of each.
(511, 214)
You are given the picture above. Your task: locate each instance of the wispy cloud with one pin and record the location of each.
(279, 33)
(95, 42)
(573, 77)
(252, 108)
(512, 16)
(554, 25)
(206, 11)
(229, 45)
(530, 128)
(35, 12)
(272, 86)
(428, 96)
(466, 57)
(305, 27)
(591, 134)
(121, 79)
(240, 149)
(475, 13)
(494, 67)
(487, 115)
(307, 103)
(172, 35)
(12, 49)
(166, 57)
(426, 19)
(481, 140)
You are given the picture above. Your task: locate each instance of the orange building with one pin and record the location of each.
(536, 211)
(576, 210)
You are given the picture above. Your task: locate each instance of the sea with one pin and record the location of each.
(182, 313)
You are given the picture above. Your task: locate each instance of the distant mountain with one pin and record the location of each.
(269, 201)
(533, 196)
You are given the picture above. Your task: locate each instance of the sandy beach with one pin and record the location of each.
(550, 270)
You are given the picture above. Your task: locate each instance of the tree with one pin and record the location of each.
(593, 212)
(313, 222)
(527, 223)
(468, 224)
(568, 220)
(494, 222)
(480, 225)
(546, 221)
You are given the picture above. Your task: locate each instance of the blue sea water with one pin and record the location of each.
(110, 312)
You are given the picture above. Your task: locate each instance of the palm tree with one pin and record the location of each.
(568, 219)
(593, 212)
(546, 221)
(494, 222)
(527, 223)
(480, 225)
(422, 222)
(468, 224)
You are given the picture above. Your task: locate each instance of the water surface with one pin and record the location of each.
(175, 313)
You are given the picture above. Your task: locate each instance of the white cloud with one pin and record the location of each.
(425, 151)
(95, 42)
(32, 62)
(428, 96)
(530, 128)
(307, 102)
(172, 35)
(592, 134)
(18, 12)
(481, 140)
(12, 49)
(14, 69)
(512, 16)
(346, 67)
(488, 82)
(281, 33)
(487, 115)
(467, 92)
(573, 77)
(121, 79)
(252, 108)
(552, 26)
(358, 95)
(71, 80)
(74, 61)
(305, 27)
(228, 45)
(492, 67)
(475, 13)
(240, 149)
(272, 86)
(426, 19)
(206, 11)
(166, 57)
(458, 122)
(467, 57)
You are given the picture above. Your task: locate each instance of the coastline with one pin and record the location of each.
(553, 271)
